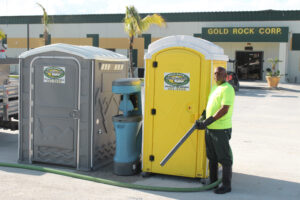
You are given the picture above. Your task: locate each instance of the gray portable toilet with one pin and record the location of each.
(67, 104)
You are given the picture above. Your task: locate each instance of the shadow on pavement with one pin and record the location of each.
(289, 90)
(244, 186)
(260, 92)
(284, 96)
(247, 187)
(8, 147)
(9, 154)
(252, 92)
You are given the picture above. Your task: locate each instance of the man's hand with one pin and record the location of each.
(201, 125)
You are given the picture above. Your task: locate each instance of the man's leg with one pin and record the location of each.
(213, 171)
(212, 157)
(223, 151)
(226, 180)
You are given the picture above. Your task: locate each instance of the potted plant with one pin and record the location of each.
(273, 74)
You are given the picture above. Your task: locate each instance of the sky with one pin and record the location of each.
(68, 7)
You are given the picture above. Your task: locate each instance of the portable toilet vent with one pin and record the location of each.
(67, 104)
(179, 71)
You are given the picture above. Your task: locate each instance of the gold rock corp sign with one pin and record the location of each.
(246, 34)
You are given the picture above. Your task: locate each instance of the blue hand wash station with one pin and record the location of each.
(128, 126)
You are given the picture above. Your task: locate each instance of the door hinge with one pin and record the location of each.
(151, 158)
(153, 111)
(154, 64)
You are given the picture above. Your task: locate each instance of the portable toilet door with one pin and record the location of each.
(55, 105)
(177, 82)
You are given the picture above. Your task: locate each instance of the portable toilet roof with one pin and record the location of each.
(208, 49)
(86, 52)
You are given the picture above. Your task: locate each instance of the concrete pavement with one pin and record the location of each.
(265, 143)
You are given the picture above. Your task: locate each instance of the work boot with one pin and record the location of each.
(213, 172)
(226, 180)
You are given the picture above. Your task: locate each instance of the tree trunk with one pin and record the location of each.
(46, 37)
(130, 55)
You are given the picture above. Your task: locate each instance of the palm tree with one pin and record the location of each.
(134, 25)
(45, 22)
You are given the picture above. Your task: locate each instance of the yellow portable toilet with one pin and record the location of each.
(178, 77)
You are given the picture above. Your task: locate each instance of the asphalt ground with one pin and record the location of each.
(265, 144)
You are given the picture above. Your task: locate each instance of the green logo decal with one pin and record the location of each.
(54, 72)
(177, 79)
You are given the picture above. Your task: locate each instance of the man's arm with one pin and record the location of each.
(221, 112)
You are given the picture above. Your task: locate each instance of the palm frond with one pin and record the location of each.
(2, 35)
(132, 21)
(152, 19)
(45, 19)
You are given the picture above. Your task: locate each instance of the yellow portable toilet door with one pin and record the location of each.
(176, 102)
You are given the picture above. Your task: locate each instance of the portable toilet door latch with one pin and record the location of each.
(151, 158)
(154, 64)
(153, 111)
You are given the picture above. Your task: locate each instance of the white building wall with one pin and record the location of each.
(111, 30)
(291, 64)
(36, 29)
(282, 66)
(14, 31)
(293, 68)
(13, 52)
(122, 51)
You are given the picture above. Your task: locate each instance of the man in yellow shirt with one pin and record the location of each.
(218, 129)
